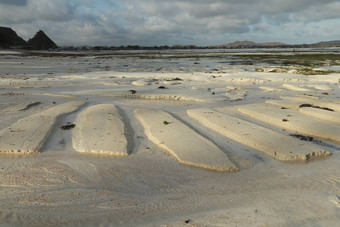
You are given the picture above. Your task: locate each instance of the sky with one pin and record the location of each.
(171, 22)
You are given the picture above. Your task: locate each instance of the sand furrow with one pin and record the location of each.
(291, 120)
(279, 146)
(21, 106)
(100, 129)
(29, 134)
(187, 146)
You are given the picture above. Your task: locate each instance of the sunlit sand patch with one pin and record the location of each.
(271, 89)
(315, 102)
(321, 87)
(106, 83)
(321, 113)
(309, 96)
(246, 80)
(38, 94)
(162, 97)
(148, 95)
(29, 134)
(291, 120)
(335, 199)
(296, 87)
(53, 95)
(33, 83)
(142, 82)
(187, 146)
(100, 130)
(279, 146)
(285, 104)
(202, 88)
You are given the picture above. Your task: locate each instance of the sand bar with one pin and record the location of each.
(279, 146)
(291, 120)
(100, 129)
(187, 146)
(29, 134)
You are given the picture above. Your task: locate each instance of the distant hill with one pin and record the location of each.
(41, 42)
(248, 44)
(330, 43)
(8, 37)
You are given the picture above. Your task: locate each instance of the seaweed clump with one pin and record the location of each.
(317, 107)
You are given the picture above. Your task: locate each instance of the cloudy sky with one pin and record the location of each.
(170, 22)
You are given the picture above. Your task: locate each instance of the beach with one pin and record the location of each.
(168, 139)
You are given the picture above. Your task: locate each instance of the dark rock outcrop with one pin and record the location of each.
(41, 42)
(8, 38)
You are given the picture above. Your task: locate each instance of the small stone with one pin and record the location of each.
(187, 221)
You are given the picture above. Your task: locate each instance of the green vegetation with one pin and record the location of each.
(303, 59)
(296, 69)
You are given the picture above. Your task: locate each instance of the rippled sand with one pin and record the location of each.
(124, 140)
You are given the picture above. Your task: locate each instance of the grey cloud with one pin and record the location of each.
(37, 10)
(147, 22)
(317, 13)
(14, 2)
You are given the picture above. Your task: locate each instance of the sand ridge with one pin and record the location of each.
(291, 120)
(187, 146)
(100, 130)
(29, 134)
(279, 146)
(321, 113)
(315, 102)
(310, 108)
(296, 87)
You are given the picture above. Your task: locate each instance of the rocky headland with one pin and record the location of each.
(10, 39)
